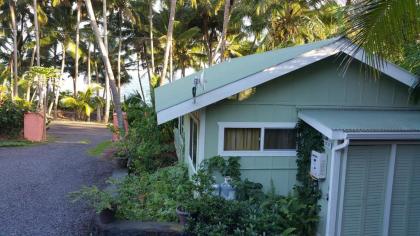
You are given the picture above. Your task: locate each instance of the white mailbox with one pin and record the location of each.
(318, 165)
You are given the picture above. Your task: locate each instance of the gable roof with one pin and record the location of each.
(233, 76)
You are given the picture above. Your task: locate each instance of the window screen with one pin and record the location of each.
(242, 139)
(276, 139)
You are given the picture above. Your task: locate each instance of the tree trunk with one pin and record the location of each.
(38, 56)
(89, 73)
(42, 106)
(108, 67)
(149, 74)
(107, 91)
(119, 53)
(169, 41)
(152, 53)
(15, 57)
(171, 64)
(57, 92)
(76, 66)
(138, 74)
(28, 89)
(99, 108)
(226, 17)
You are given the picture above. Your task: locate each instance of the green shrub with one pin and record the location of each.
(154, 196)
(148, 146)
(11, 116)
(253, 213)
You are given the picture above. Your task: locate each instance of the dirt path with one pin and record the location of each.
(35, 181)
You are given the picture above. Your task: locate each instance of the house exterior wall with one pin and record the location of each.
(318, 85)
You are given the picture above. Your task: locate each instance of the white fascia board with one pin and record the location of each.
(388, 68)
(248, 82)
(323, 129)
(383, 135)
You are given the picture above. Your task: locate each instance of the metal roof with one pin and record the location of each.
(227, 72)
(340, 124)
(235, 75)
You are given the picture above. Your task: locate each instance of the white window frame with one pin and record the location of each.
(190, 160)
(260, 125)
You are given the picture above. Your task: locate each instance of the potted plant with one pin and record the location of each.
(183, 214)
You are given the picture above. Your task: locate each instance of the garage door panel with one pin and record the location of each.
(405, 203)
(364, 190)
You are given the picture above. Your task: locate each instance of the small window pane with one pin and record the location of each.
(241, 139)
(275, 139)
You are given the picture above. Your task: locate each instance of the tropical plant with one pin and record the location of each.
(84, 103)
(383, 28)
(11, 115)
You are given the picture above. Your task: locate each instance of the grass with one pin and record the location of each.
(100, 148)
(15, 143)
(19, 142)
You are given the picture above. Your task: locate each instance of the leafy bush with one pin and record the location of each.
(148, 146)
(11, 115)
(146, 197)
(253, 213)
(154, 196)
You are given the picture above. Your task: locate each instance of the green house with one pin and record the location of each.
(249, 106)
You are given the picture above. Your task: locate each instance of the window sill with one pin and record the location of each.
(284, 153)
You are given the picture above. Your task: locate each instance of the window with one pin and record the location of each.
(193, 140)
(257, 139)
(278, 139)
(242, 139)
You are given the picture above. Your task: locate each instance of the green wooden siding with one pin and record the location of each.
(318, 85)
(364, 194)
(405, 203)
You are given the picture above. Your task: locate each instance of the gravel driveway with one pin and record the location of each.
(35, 182)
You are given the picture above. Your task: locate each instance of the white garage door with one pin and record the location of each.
(368, 178)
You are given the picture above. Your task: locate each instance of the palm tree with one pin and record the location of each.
(15, 57)
(226, 17)
(169, 41)
(108, 67)
(76, 66)
(107, 82)
(152, 49)
(383, 27)
(38, 56)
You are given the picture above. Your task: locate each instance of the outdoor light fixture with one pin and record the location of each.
(198, 81)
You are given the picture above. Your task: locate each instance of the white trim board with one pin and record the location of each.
(340, 134)
(276, 71)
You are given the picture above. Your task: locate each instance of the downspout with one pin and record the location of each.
(333, 188)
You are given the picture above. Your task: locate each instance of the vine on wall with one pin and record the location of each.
(308, 139)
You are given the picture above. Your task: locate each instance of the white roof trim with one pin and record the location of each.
(384, 135)
(273, 72)
(340, 134)
(323, 129)
(388, 68)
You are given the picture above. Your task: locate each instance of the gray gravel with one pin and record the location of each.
(35, 182)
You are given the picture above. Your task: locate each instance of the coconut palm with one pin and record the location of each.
(168, 48)
(383, 27)
(108, 67)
